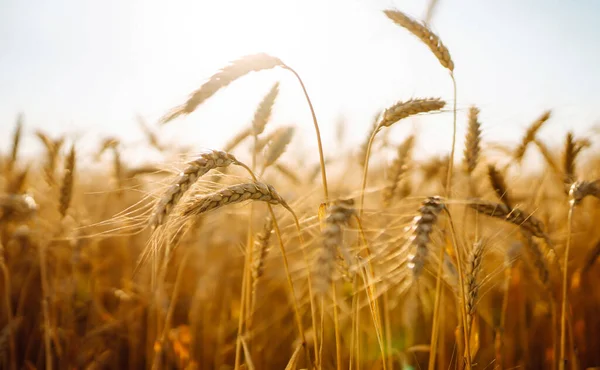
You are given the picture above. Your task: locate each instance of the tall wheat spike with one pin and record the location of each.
(262, 115)
(397, 169)
(473, 141)
(499, 185)
(66, 189)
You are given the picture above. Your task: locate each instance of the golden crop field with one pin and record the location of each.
(236, 259)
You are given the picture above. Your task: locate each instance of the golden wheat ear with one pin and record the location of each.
(499, 185)
(530, 134)
(473, 141)
(221, 79)
(66, 189)
(398, 169)
(263, 112)
(191, 173)
(424, 34)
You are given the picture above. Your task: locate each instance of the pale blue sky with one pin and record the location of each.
(88, 67)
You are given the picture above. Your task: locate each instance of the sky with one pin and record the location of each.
(88, 68)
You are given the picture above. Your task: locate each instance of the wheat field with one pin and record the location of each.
(254, 256)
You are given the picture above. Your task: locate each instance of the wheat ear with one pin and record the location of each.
(395, 113)
(499, 185)
(261, 248)
(338, 215)
(515, 216)
(238, 193)
(66, 189)
(443, 56)
(530, 135)
(473, 141)
(278, 145)
(262, 115)
(16, 143)
(194, 170)
(398, 169)
(569, 157)
(221, 79)
(425, 35)
(474, 263)
(421, 229)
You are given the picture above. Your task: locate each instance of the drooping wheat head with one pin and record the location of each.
(425, 35)
(190, 174)
(230, 73)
